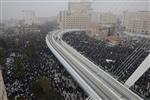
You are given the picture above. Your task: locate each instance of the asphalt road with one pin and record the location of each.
(97, 83)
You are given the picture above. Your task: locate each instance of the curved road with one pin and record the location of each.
(97, 83)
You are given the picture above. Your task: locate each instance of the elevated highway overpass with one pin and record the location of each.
(97, 83)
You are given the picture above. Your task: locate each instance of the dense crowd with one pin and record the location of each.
(115, 59)
(37, 60)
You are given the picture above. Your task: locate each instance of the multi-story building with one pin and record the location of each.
(104, 32)
(137, 22)
(104, 18)
(3, 95)
(76, 8)
(74, 22)
(76, 17)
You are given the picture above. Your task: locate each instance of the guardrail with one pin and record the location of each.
(75, 75)
(125, 92)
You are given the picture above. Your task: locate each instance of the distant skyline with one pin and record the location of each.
(47, 8)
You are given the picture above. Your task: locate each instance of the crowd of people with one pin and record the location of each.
(114, 59)
(37, 60)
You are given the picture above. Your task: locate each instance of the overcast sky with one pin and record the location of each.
(13, 8)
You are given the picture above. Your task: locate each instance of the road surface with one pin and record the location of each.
(97, 83)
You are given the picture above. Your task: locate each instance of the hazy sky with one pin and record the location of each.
(45, 8)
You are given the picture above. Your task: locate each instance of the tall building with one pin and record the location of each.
(76, 17)
(3, 95)
(137, 22)
(28, 17)
(73, 21)
(103, 18)
(76, 8)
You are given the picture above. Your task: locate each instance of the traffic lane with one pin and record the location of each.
(121, 89)
(98, 83)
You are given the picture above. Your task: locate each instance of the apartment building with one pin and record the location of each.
(137, 22)
(76, 17)
(104, 18)
(74, 22)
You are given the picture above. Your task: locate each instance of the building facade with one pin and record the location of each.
(3, 95)
(76, 8)
(103, 18)
(137, 22)
(74, 22)
(76, 17)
